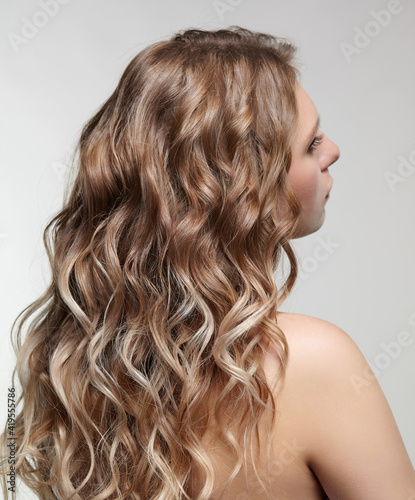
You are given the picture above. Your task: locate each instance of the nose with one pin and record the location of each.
(330, 155)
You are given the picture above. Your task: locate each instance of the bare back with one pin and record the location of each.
(317, 441)
(288, 476)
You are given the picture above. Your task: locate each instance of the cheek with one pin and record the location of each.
(306, 182)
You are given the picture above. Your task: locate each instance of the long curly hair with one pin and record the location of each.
(163, 262)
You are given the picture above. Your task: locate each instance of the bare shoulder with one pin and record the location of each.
(320, 353)
(312, 339)
(332, 403)
(324, 361)
(297, 323)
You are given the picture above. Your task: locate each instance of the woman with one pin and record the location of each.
(158, 365)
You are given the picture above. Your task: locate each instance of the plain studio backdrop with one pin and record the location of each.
(62, 59)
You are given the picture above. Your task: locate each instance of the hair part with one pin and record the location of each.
(163, 260)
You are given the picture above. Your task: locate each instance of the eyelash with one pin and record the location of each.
(316, 141)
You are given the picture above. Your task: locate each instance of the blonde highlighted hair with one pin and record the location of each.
(162, 286)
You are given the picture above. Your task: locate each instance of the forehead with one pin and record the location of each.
(307, 112)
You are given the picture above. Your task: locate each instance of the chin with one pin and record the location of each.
(310, 226)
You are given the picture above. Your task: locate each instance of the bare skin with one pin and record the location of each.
(312, 155)
(330, 440)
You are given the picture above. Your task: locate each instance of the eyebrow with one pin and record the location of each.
(314, 131)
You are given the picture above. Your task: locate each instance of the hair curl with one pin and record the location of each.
(163, 260)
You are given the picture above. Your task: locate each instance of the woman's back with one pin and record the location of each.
(331, 440)
(157, 366)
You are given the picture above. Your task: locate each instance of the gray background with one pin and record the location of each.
(57, 76)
